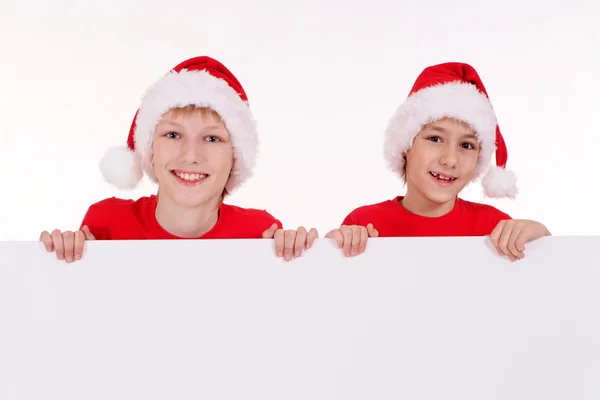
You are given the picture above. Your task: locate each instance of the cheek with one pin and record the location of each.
(161, 154)
(425, 152)
(420, 158)
(469, 161)
(222, 160)
(415, 166)
(473, 157)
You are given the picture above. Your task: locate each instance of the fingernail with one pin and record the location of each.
(69, 259)
(77, 257)
(279, 254)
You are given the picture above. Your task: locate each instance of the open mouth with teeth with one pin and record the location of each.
(189, 178)
(442, 179)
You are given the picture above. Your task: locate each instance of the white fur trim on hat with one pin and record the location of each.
(121, 167)
(499, 183)
(461, 101)
(181, 89)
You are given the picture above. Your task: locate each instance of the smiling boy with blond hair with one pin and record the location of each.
(195, 136)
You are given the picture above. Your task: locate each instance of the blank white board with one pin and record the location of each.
(412, 318)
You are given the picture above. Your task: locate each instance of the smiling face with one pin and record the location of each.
(441, 162)
(192, 156)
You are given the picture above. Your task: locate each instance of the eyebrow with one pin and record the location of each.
(170, 122)
(440, 129)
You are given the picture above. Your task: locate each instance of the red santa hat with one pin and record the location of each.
(202, 82)
(452, 90)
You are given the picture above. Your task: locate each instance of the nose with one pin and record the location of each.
(449, 157)
(192, 151)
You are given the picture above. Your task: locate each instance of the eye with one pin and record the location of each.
(172, 135)
(213, 139)
(435, 139)
(468, 146)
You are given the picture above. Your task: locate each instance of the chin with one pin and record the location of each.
(201, 197)
(440, 200)
(191, 199)
(441, 196)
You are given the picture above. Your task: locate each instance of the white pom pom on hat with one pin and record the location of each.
(452, 90)
(121, 167)
(199, 81)
(499, 182)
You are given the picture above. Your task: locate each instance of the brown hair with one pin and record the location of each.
(403, 172)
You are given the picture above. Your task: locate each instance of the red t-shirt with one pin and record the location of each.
(391, 219)
(120, 219)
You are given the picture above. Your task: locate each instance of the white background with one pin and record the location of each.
(323, 78)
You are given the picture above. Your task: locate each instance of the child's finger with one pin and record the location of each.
(522, 239)
(46, 239)
(300, 241)
(372, 231)
(86, 232)
(336, 234)
(78, 247)
(69, 245)
(269, 233)
(347, 241)
(279, 242)
(495, 237)
(57, 241)
(288, 244)
(364, 237)
(356, 235)
(517, 239)
(310, 238)
(503, 240)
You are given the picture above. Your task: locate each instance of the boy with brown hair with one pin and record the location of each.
(438, 141)
(195, 136)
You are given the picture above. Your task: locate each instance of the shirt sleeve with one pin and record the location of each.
(96, 223)
(352, 219)
(270, 220)
(494, 218)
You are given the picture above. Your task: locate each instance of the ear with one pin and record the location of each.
(233, 165)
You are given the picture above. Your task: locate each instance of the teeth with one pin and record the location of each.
(442, 178)
(190, 177)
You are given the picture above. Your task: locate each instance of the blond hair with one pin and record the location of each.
(192, 110)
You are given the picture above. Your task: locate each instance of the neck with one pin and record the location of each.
(418, 204)
(186, 222)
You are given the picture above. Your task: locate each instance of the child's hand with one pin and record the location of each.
(291, 243)
(509, 236)
(67, 245)
(353, 238)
